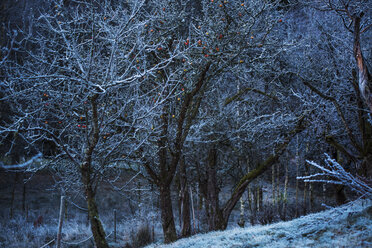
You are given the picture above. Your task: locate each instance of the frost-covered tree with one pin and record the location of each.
(249, 102)
(336, 85)
(74, 81)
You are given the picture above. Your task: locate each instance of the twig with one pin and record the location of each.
(50, 242)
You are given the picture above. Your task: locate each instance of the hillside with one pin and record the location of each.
(349, 225)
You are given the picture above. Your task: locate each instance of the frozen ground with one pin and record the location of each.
(349, 225)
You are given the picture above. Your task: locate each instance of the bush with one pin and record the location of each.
(267, 214)
(128, 245)
(142, 237)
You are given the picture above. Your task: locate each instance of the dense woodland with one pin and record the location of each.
(207, 105)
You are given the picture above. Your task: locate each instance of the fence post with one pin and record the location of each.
(60, 222)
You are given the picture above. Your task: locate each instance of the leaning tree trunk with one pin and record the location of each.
(259, 170)
(98, 232)
(169, 228)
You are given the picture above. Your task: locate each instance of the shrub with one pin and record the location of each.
(142, 237)
(267, 214)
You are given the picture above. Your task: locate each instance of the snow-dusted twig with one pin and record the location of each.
(338, 175)
(23, 165)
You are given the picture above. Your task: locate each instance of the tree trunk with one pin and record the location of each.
(96, 225)
(311, 198)
(363, 74)
(24, 196)
(185, 201)
(297, 185)
(259, 170)
(285, 192)
(215, 220)
(241, 221)
(169, 228)
(340, 194)
(13, 195)
(278, 196)
(305, 193)
(273, 183)
(324, 193)
(254, 210)
(98, 232)
(260, 198)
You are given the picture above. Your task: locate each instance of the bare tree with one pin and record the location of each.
(78, 87)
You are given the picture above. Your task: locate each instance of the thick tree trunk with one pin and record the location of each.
(185, 201)
(169, 228)
(363, 74)
(98, 232)
(96, 225)
(215, 221)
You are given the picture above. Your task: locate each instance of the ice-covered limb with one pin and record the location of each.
(338, 175)
(23, 165)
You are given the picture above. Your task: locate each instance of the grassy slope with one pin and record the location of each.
(349, 225)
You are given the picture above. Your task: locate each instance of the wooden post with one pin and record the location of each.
(115, 225)
(60, 222)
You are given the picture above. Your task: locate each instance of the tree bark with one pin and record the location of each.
(169, 228)
(259, 170)
(363, 74)
(305, 191)
(24, 195)
(13, 195)
(273, 184)
(215, 220)
(185, 201)
(60, 222)
(98, 232)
